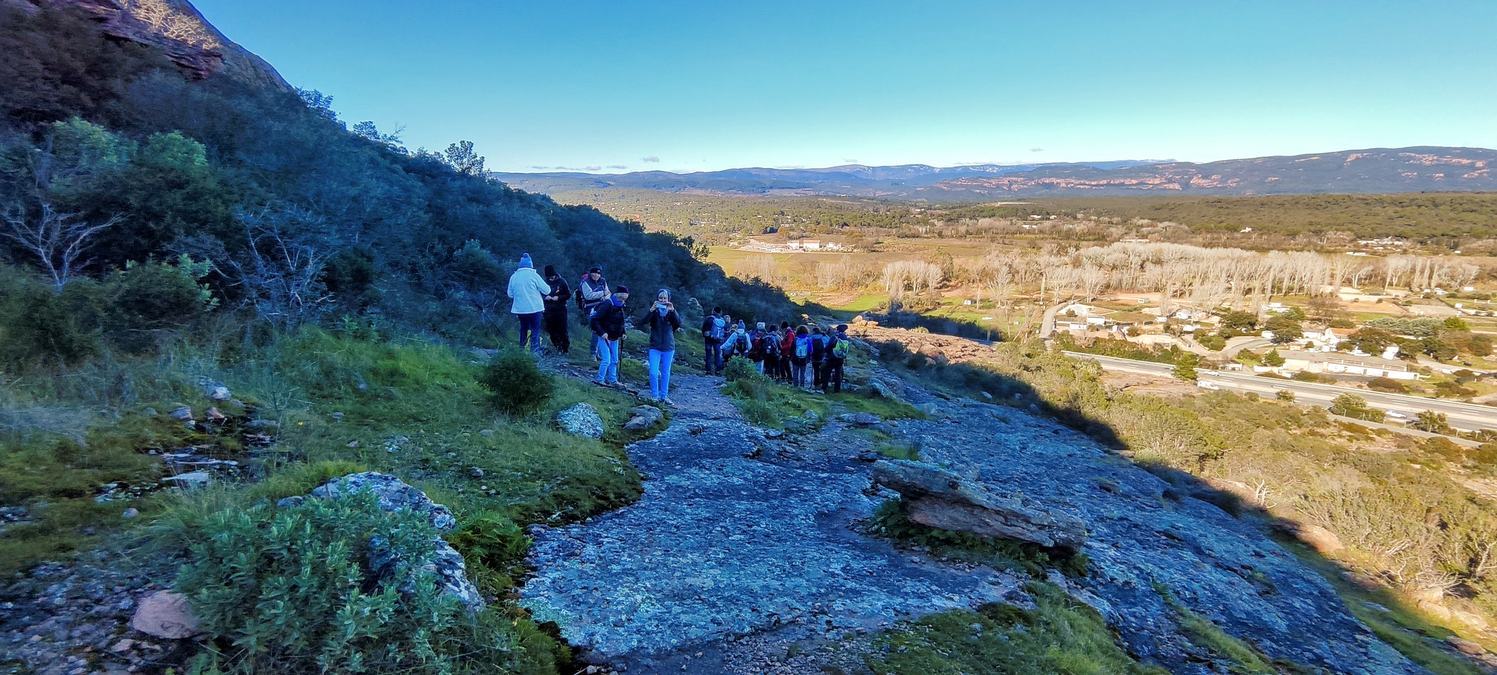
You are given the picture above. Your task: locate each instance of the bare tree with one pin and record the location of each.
(282, 273)
(58, 240)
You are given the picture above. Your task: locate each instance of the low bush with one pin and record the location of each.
(1387, 385)
(516, 384)
(494, 547)
(291, 590)
(1351, 405)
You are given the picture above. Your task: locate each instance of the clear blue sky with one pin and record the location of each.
(626, 85)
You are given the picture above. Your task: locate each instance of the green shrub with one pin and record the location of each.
(494, 547)
(1351, 405)
(1387, 385)
(1284, 395)
(742, 369)
(289, 590)
(516, 384)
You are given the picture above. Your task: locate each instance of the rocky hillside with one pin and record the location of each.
(1378, 170)
(176, 29)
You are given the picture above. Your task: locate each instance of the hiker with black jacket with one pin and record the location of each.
(663, 322)
(714, 331)
(608, 328)
(556, 310)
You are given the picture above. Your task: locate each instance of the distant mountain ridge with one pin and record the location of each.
(1367, 171)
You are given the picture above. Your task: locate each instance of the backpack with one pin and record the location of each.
(577, 294)
(839, 348)
(802, 347)
(716, 331)
(756, 351)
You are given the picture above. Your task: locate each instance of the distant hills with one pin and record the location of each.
(1371, 171)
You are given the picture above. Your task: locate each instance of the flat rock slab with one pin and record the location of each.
(722, 546)
(1145, 535)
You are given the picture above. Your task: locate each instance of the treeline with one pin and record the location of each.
(1448, 221)
(1419, 217)
(110, 157)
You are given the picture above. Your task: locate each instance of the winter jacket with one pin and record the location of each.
(560, 290)
(787, 343)
(527, 288)
(592, 292)
(663, 330)
(714, 321)
(737, 342)
(818, 347)
(608, 321)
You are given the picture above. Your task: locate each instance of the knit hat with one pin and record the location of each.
(620, 289)
(550, 270)
(594, 268)
(525, 260)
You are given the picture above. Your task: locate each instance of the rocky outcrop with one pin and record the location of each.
(179, 31)
(580, 419)
(392, 494)
(935, 497)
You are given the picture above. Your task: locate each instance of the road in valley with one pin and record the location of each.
(1465, 416)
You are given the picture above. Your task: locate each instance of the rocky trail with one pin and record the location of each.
(745, 553)
(741, 546)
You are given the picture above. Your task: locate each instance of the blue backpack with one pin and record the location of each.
(802, 346)
(718, 326)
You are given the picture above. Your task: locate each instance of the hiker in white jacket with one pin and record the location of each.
(527, 289)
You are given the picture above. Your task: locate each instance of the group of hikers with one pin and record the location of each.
(809, 357)
(803, 356)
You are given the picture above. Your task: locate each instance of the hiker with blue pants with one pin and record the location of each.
(663, 323)
(592, 292)
(527, 290)
(608, 325)
(714, 330)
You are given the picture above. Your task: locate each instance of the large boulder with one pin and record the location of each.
(166, 615)
(392, 494)
(580, 419)
(935, 497)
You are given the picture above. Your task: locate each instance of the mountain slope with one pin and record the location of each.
(1377, 170)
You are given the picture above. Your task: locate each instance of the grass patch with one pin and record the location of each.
(902, 449)
(1242, 658)
(768, 404)
(1059, 635)
(56, 479)
(893, 522)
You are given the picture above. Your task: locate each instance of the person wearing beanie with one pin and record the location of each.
(608, 327)
(592, 290)
(556, 310)
(527, 291)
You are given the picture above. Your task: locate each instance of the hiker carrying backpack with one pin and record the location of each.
(836, 358)
(714, 329)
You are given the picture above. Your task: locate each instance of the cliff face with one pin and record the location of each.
(181, 33)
